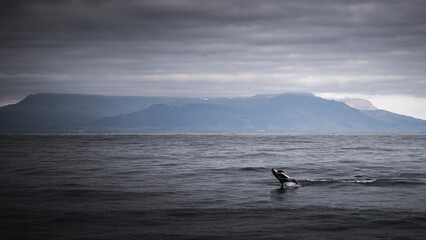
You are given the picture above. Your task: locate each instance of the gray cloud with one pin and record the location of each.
(212, 48)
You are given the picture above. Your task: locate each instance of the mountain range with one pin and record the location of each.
(289, 112)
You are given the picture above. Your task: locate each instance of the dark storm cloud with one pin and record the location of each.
(212, 48)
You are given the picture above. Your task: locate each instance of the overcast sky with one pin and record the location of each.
(370, 49)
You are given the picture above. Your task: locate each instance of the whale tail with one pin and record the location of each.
(282, 177)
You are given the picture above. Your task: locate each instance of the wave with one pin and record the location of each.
(253, 169)
(337, 180)
(365, 148)
(398, 182)
(382, 182)
(258, 155)
(231, 170)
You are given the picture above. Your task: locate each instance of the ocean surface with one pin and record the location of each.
(212, 186)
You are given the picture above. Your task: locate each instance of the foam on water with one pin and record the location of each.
(337, 180)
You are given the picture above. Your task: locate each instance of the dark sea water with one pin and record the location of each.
(212, 186)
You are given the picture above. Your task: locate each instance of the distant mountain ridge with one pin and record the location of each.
(290, 112)
(55, 112)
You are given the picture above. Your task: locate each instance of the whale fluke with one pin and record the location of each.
(282, 177)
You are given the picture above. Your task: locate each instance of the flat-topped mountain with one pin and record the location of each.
(278, 113)
(55, 112)
(269, 113)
